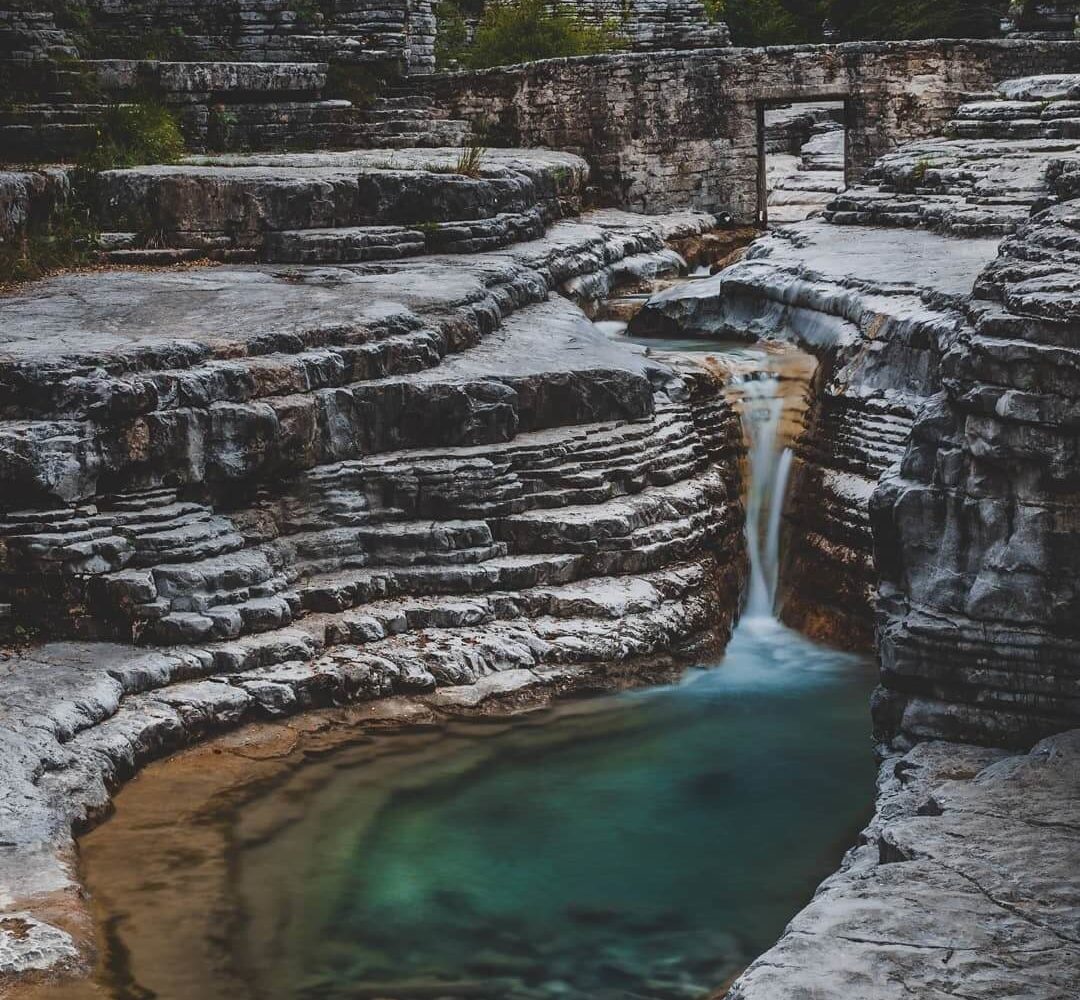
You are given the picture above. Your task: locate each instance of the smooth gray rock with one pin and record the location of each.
(963, 883)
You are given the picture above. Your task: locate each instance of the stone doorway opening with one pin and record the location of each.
(802, 157)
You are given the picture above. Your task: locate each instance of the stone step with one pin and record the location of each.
(1012, 128)
(221, 79)
(604, 598)
(234, 202)
(438, 134)
(185, 540)
(351, 244)
(999, 110)
(427, 659)
(355, 244)
(50, 142)
(645, 550)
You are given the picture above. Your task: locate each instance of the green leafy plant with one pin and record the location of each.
(526, 30)
(130, 134)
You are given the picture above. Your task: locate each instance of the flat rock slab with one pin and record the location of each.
(881, 257)
(224, 309)
(236, 200)
(820, 284)
(966, 887)
(553, 336)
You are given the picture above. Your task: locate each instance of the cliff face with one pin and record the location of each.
(941, 433)
(977, 529)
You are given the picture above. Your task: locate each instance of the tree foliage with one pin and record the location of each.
(525, 30)
(768, 22)
(917, 18)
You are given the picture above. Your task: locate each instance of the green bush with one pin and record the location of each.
(767, 22)
(524, 30)
(452, 36)
(130, 134)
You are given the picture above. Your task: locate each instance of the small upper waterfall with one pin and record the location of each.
(769, 467)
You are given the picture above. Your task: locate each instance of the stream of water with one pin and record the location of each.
(641, 845)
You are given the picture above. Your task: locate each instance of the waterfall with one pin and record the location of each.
(769, 467)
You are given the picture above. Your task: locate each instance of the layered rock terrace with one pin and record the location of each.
(246, 490)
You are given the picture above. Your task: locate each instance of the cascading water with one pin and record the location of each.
(769, 467)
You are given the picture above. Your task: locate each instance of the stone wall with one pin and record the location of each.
(351, 31)
(671, 129)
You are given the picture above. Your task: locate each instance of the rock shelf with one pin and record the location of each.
(245, 491)
(962, 882)
(334, 207)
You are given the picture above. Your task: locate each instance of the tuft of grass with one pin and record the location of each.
(470, 159)
(918, 174)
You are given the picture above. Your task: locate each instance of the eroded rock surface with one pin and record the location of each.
(963, 884)
(312, 485)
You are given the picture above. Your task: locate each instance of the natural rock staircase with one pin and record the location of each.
(819, 174)
(245, 491)
(988, 173)
(401, 118)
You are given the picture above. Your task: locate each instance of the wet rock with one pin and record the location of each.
(27, 944)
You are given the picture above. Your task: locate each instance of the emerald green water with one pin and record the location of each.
(648, 844)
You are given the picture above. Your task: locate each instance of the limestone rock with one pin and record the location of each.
(961, 882)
